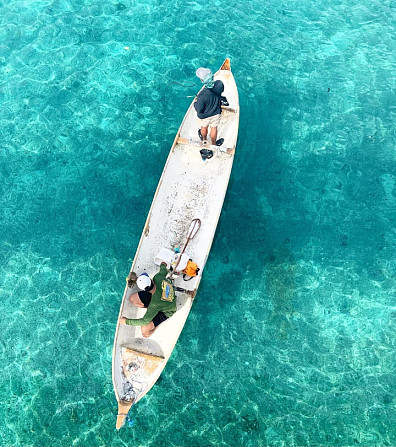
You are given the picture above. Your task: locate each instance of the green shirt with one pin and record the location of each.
(156, 304)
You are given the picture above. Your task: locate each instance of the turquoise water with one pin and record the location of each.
(291, 340)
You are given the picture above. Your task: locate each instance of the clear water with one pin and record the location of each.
(291, 340)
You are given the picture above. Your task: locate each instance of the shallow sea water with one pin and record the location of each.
(291, 340)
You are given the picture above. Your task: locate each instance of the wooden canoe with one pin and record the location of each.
(189, 188)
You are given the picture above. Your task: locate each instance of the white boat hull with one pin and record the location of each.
(189, 188)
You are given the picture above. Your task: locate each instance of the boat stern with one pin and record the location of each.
(123, 409)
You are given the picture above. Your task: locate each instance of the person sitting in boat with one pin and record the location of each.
(208, 105)
(150, 297)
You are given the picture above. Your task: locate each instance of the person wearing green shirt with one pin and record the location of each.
(150, 297)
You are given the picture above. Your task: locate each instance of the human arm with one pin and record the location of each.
(148, 316)
(160, 276)
(199, 104)
(218, 88)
